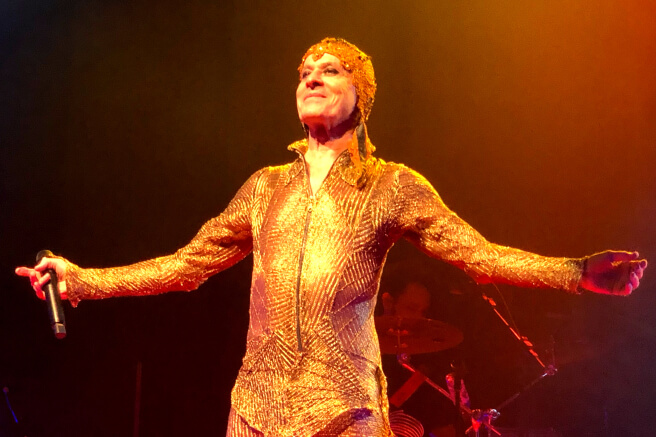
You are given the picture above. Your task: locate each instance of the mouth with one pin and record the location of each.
(319, 95)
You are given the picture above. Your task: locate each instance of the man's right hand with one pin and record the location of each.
(38, 279)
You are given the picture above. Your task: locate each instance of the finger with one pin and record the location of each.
(621, 256)
(42, 265)
(635, 281)
(37, 287)
(623, 272)
(639, 267)
(34, 277)
(639, 272)
(23, 271)
(62, 290)
(44, 280)
(624, 290)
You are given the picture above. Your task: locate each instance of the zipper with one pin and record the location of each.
(308, 216)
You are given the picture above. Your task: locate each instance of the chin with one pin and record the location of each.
(311, 118)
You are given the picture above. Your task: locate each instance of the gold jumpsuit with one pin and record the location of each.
(312, 363)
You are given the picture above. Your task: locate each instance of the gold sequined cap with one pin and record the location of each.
(355, 61)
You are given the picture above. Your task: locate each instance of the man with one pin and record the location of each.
(320, 229)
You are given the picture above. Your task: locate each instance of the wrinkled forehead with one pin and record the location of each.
(325, 58)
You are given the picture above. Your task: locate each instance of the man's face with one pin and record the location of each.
(325, 94)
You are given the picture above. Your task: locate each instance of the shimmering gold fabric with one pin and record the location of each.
(312, 363)
(354, 60)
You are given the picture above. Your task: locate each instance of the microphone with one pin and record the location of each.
(53, 300)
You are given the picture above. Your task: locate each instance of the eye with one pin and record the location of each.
(331, 70)
(305, 73)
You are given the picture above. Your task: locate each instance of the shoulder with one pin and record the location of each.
(277, 170)
(401, 174)
(267, 178)
(271, 172)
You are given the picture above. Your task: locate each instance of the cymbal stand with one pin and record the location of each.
(404, 361)
(547, 369)
(479, 418)
(483, 418)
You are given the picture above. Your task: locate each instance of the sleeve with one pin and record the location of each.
(436, 230)
(221, 242)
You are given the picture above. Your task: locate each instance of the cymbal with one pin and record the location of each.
(415, 335)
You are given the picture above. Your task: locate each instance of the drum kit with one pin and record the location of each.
(404, 337)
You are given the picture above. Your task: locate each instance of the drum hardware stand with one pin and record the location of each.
(404, 361)
(547, 369)
(480, 418)
(483, 418)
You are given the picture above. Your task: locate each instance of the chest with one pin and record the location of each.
(341, 212)
(338, 217)
(317, 170)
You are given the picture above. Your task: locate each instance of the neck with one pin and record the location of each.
(323, 150)
(323, 140)
(328, 146)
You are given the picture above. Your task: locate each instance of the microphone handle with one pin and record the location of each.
(53, 300)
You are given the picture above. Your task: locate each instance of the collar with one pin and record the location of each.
(343, 165)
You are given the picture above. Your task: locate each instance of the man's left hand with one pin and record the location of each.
(613, 272)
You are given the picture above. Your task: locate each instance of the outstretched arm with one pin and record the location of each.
(220, 243)
(429, 224)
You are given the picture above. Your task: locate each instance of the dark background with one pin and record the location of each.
(125, 125)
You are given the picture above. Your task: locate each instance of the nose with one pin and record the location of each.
(313, 80)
